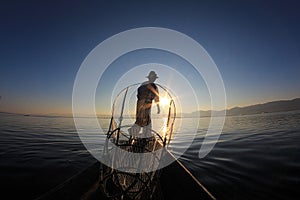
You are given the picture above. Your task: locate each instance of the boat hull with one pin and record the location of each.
(175, 182)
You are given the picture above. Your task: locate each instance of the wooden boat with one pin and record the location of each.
(175, 182)
(121, 177)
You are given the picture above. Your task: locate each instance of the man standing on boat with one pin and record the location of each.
(147, 92)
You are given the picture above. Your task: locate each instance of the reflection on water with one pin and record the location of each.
(256, 157)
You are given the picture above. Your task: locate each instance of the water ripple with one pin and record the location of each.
(256, 157)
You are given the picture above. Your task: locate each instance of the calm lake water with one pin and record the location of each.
(256, 157)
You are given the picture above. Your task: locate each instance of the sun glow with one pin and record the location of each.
(165, 101)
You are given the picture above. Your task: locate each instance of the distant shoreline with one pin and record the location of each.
(269, 107)
(177, 117)
(264, 108)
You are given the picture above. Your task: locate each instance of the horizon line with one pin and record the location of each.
(109, 114)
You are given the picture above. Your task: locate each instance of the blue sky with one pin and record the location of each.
(255, 44)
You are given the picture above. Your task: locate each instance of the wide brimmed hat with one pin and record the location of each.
(152, 74)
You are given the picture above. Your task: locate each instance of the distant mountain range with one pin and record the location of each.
(269, 107)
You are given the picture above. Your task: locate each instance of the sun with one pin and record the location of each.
(164, 101)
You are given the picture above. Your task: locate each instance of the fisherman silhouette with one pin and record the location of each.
(146, 93)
